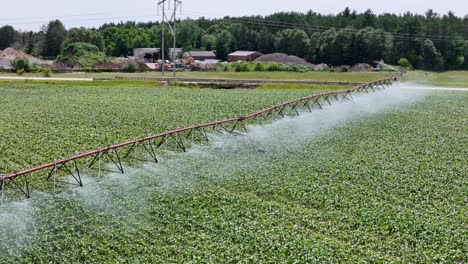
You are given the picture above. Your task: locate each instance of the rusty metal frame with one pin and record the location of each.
(150, 146)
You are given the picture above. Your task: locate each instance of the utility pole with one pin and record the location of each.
(171, 22)
(162, 6)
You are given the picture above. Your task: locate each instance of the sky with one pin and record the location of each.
(32, 14)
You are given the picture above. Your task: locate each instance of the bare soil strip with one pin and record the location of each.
(438, 88)
(44, 79)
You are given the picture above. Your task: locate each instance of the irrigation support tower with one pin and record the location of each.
(172, 25)
(175, 140)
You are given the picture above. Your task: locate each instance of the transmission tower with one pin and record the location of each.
(171, 23)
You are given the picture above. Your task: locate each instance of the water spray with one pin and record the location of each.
(229, 126)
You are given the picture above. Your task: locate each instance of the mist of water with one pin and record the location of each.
(218, 160)
(386, 65)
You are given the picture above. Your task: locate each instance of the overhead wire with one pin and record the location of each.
(256, 22)
(60, 16)
(318, 28)
(398, 36)
(343, 31)
(81, 20)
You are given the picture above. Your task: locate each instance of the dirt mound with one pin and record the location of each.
(362, 67)
(11, 54)
(284, 59)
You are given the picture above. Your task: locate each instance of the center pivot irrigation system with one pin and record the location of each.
(178, 139)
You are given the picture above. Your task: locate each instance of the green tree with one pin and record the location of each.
(155, 35)
(7, 36)
(408, 47)
(265, 41)
(328, 48)
(465, 66)
(189, 34)
(293, 42)
(373, 45)
(82, 54)
(224, 45)
(208, 42)
(139, 38)
(405, 63)
(431, 58)
(368, 19)
(55, 35)
(244, 38)
(85, 35)
(21, 65)
(453, 52)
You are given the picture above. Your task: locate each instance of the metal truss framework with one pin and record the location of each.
(176, 139)
(171, 23)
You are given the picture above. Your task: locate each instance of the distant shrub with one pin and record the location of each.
(246, 67)
(228, 68)
(299, 68)
(83, 54)
(20, 72)
(36, 68)
(345, 68)
(129, 67)
(46, 72)
(336, 69)
(21, 64)
(274, 67)
(405, 64)
(259, 67)
(237, 67)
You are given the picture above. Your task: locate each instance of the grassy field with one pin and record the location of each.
(46, 122)
(383, 180)
(314, 76)
(448, 79)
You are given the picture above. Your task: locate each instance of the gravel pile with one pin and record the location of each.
(10, 54)
(284, 59)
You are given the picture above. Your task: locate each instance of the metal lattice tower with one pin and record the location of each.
(171, 23)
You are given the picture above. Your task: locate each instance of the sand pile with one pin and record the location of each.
(10, 54)
(362, 67)
(284, 59)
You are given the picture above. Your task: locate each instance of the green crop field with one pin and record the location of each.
(40, 123)
(448, 79)
(381, 179)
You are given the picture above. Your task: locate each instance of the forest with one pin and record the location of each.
(430, 42)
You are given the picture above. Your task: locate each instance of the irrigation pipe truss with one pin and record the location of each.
(115, 154)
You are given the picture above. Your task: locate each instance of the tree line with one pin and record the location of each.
(431, 41)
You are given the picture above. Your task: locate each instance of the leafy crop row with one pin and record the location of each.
(40, 123)
(385, 187)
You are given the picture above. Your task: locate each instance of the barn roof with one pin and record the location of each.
(201, 53)
(244, 53)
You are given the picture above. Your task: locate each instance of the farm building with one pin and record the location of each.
(147, 55)
(200, 55)
(244, 56)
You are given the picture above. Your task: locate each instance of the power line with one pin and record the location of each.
(345, 31)
(318, 28)
(172, 24)
(338, 28)
(62, 16)
(81, 20)
(284, 25)
(270, 24)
